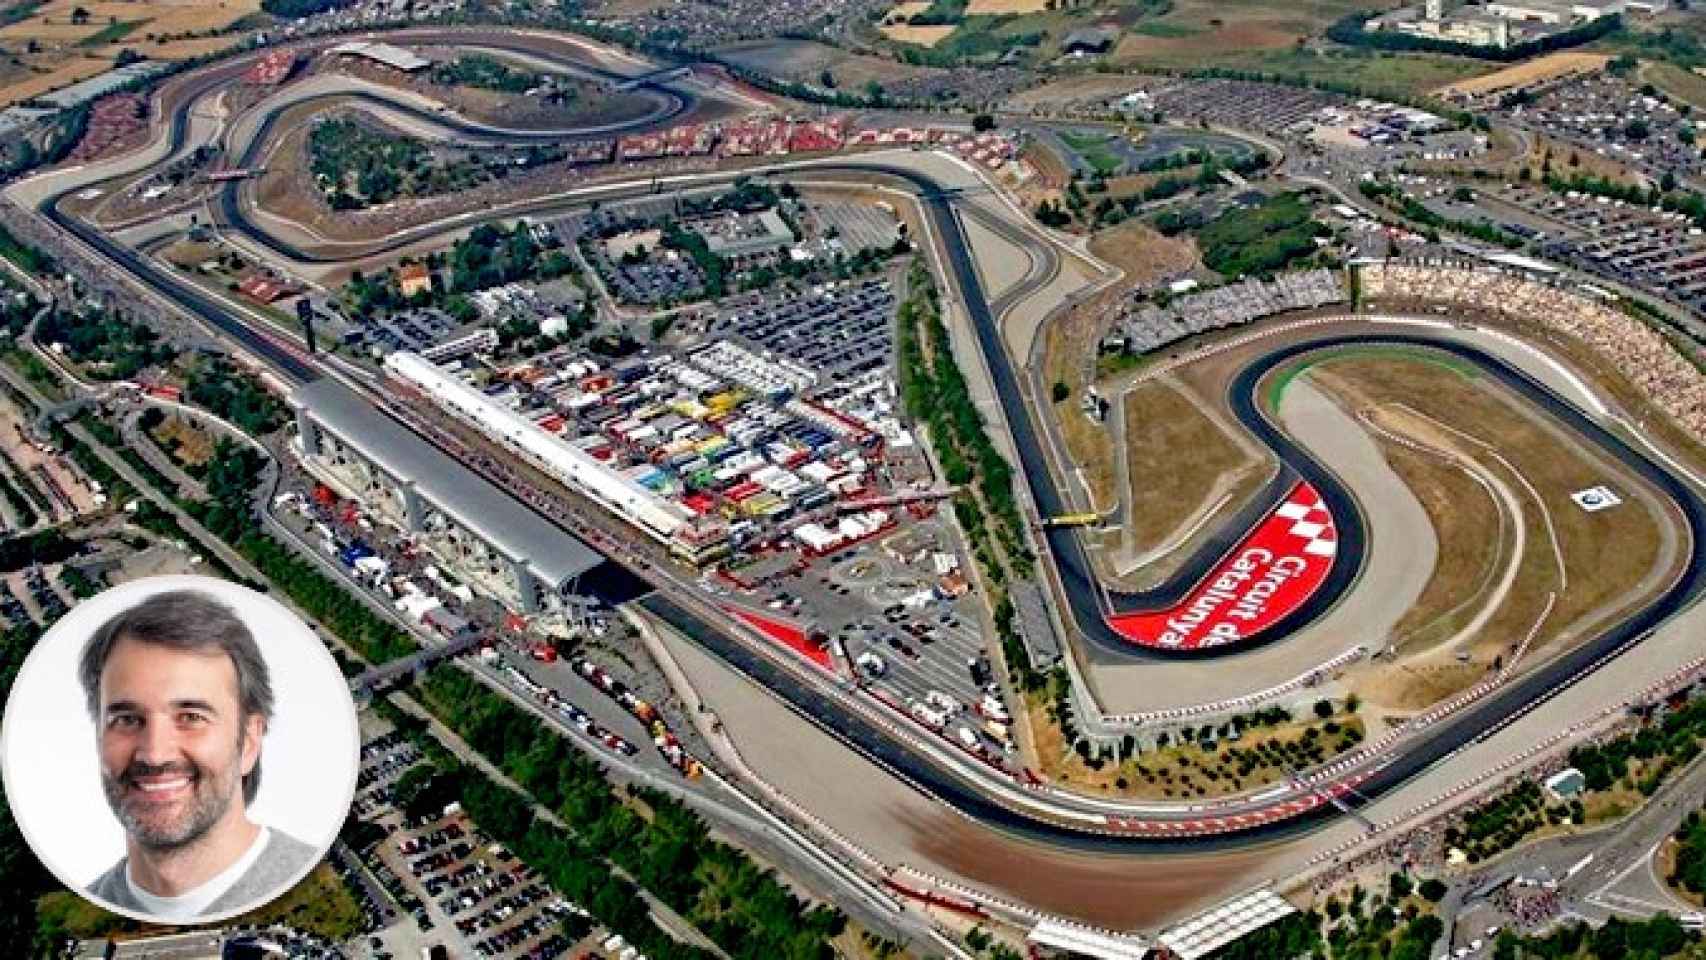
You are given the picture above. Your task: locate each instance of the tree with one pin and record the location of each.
(827, 79)
(1399, 886)
(79, 16)
(983, 122)
(1060, 391)
(1323, 708)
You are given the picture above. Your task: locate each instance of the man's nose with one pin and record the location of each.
(158, 743)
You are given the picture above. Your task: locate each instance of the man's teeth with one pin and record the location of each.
(163, 785)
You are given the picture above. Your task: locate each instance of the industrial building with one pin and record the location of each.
(499, 546)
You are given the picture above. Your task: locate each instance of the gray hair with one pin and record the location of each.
(186, 620)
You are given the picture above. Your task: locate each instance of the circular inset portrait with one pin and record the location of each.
(180, 749)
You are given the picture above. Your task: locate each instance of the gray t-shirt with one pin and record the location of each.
(283, 859)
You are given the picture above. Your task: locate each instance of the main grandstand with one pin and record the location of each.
(470, 524)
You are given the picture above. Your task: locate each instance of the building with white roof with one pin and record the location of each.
(1236, 918)
(659, 517)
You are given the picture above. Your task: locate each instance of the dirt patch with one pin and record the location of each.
(1087, 86)
(52, 475)
(1145, 255)
(1530, 72)
(190, 446)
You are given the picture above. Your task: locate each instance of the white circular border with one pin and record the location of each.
(256, 609)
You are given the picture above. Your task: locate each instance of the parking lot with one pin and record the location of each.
(1625, 242)
(1617, 118)
(460, 890)
(916, 648)
(839, 330)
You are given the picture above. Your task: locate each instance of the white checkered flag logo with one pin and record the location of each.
(1312, 523)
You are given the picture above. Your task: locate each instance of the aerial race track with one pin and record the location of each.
(1304, 492)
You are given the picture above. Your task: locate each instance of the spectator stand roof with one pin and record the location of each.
(1088, 941)
(1238, 917)
(551, 554)
(99, 85)
(391, 56)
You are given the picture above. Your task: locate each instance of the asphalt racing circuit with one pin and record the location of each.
(1115, 625)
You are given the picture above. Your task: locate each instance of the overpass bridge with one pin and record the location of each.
(655, 77)
(382, 676)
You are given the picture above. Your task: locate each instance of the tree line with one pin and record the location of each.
(664, 845)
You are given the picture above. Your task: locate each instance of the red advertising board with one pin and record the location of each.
(1281, 564)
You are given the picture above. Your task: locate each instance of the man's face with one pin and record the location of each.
(173, 744)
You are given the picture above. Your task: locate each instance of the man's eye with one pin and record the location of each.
(192, 718)
(123, 721)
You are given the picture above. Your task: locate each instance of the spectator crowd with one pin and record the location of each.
(1637, 351)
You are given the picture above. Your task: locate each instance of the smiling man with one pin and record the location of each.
(181, 700)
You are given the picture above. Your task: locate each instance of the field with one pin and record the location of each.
(1684, 85)
(926, 36)
(979, 8)
(1192, 28)
(1255, 47)
(58, 71)
(803, 61)
(1093, 147)
(69, 52)
(52, 23)
(1539, 69)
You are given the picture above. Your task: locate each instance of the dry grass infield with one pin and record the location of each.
(1070, 341)
(1538, 70)
(1607, 555)
(1175, 454)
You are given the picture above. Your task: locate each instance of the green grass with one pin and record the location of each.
(111, 33)
(1151, 28)
(320, 904)
(1279, 381)
(1684, 85)
(20, 12)
(1093, 147)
